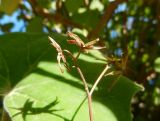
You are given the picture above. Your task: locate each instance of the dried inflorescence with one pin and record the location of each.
(83, 46)
(75, 40)
(60, 55)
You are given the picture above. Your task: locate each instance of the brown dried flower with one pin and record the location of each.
(84, 47)
(60, 55)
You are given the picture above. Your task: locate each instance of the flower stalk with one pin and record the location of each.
(84, 47)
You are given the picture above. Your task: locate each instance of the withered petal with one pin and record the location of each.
(55, 44)
(92, 42)
(59, 62)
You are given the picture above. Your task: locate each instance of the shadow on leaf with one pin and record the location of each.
(28, 109)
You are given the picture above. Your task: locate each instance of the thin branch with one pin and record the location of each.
(99, 78)
(78, 55)
(84, 82)
(53, 17)
(83, 79)
(78, 69)
(90, 107)
(87, 91)
(105, 18)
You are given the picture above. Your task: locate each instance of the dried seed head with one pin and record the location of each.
(55, 44)
(84, 47)
(76, 40)
(91, 43)
(60, 55)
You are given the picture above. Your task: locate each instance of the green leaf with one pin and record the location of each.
(9, 6)
(35, 25)
(44, 3)
(88, 18)
(72, 7)
(157, 64)
(42, 93)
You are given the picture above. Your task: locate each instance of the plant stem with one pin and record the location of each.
(87, 91)
(90, 106)
(89, 97)
(98, 79)
(78, 55)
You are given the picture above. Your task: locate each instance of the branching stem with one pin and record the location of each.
(89, 97)
(78, 55)
(98, 79)
(87, 91)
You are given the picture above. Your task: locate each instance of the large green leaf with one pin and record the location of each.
(42, 93)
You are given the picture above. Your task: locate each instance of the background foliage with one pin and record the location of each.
(119, 24)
